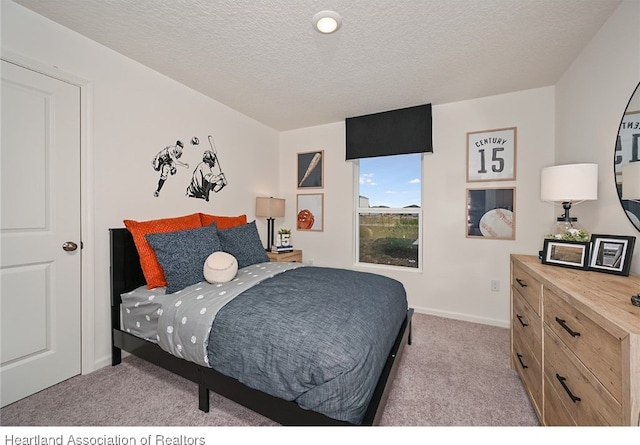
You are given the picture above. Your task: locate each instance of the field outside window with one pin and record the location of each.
(388, 211)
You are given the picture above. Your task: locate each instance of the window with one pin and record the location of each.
(388, 210)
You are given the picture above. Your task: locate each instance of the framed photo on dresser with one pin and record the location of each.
(611, 254)
(572, 254)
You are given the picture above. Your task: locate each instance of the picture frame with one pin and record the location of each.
(490, 213)
(627, 134)
(310, 212)
(491, 155)
(611, 254)
(310, 172)
(572, 254)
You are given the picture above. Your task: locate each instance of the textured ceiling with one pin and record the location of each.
(262, 57)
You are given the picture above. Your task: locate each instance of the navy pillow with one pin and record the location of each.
(243, 242)
(182, 254)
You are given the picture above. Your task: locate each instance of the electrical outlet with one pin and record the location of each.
(495, 285)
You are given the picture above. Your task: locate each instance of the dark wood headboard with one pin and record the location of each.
(126, 273)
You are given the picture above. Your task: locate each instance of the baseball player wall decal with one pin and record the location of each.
(205, 178)
(165, 162)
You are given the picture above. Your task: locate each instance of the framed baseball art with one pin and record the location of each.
(491, 213)
(491, 155)
(311, 170)
(310, 212)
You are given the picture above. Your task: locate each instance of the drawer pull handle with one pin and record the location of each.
(521, 283)
(562, 381)
(521, 362)
(563, 323)
(520, 318)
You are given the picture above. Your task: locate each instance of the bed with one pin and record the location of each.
(336, 368)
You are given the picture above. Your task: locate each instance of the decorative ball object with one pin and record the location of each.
(635, 300)
(220, 267)
(195, 141)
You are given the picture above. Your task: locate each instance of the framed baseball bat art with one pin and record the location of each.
(310, 169)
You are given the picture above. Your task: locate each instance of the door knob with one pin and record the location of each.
(69, 246)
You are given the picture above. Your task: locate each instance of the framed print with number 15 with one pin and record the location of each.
(491, 155)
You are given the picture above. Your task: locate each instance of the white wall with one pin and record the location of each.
(457, 271)
(591, 98)
(135, 112)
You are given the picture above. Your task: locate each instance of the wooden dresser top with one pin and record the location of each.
(604, 297)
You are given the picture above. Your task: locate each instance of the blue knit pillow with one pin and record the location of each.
(243, 242)
(183, 253)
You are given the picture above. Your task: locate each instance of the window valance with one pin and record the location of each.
(402, 131)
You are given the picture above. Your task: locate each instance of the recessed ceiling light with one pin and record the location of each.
(327, 22)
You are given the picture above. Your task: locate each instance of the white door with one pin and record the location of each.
(39, 212)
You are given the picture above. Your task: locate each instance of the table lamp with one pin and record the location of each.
(271, 208)
(569, 185)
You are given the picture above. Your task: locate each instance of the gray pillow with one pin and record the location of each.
(182, 254)
(243, 242)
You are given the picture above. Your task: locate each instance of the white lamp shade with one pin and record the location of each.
(631, 181)
(270, 207)
(569, 183)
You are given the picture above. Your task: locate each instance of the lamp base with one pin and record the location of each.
(569, 229)
(562, 226)
(270, 231)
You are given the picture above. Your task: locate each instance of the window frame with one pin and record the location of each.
(387, 210)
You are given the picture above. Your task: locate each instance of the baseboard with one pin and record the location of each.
(106, 361)
(462, 317)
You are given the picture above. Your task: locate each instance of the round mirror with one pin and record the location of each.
(627, 159)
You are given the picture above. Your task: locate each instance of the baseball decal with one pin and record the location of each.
(206, 177)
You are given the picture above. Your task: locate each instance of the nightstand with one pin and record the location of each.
(295, 256)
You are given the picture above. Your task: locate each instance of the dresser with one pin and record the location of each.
(575, 341)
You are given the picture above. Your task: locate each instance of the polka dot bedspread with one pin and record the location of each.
(180, 322)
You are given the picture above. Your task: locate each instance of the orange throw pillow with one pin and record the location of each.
(223, 222)
(150, 266)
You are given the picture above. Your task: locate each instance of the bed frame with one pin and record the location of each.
(126, 275)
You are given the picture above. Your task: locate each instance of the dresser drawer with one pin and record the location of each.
(526, 324)
(529, 287)
(555, 414)
(597, 349)
(530, 370)
(571, 391)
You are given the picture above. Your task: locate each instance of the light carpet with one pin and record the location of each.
(454, 373)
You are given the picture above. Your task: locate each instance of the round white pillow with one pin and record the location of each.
(220, 267)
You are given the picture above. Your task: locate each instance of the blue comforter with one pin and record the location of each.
(317, 336)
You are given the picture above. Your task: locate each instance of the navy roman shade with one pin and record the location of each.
(402, 131)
